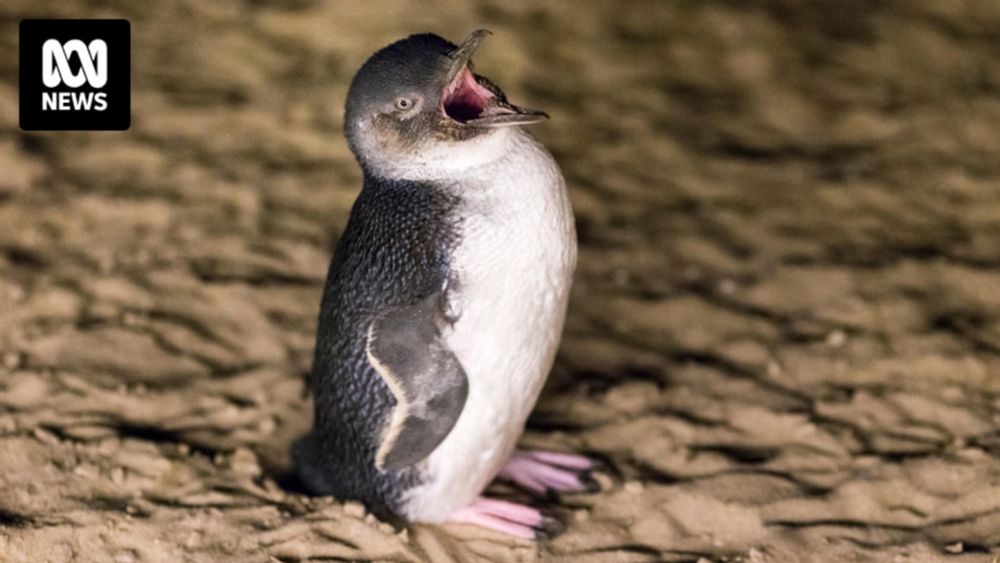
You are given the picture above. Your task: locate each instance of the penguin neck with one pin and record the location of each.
(450, 163)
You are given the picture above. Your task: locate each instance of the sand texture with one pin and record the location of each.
(783, 342)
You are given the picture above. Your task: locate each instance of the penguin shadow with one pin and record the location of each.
(290, 482)
(274, 453)
(558, 507)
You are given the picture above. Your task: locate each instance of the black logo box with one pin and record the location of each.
(118, 114)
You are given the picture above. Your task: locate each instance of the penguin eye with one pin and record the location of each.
(405, 103)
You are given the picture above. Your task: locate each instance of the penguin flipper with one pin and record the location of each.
(406, 349)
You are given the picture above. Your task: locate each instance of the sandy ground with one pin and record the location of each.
(784, 337)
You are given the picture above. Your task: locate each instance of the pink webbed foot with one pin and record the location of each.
(545, 472)
(506, 517)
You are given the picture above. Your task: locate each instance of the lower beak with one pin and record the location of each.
(508, 114)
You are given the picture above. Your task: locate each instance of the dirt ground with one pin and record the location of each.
(784, 337)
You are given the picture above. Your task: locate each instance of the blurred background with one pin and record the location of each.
(784, 337)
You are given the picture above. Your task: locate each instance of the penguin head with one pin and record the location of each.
(417, 110)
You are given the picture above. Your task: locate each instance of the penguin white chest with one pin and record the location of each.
(513, 269)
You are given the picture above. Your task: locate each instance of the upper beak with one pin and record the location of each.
(500, 112)
(461, 56)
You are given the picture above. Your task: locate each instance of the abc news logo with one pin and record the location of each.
(56, 70)
(75, 75)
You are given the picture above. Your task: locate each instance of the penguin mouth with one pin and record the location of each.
(474, 101)
(465, 99)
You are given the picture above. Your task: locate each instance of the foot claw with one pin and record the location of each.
(549, 528)
(590, 485)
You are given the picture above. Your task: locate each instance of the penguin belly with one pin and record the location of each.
(513, 271)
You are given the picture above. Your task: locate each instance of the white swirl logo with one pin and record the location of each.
(93, 63)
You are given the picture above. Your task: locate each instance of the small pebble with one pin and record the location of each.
(8, 424)
(634, 487)
(603, 480)
(836, 339)
(85, 470)
(45, 436)
(727, 287)
(267, 426)
(244, 462)
(355, 509)
(11, 360)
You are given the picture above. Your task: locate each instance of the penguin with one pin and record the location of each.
(444, 302)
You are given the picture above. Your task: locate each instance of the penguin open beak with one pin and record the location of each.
(475, 101)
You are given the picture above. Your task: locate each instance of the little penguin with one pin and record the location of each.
(445, 299)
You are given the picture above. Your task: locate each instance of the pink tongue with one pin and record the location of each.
(466, 99)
